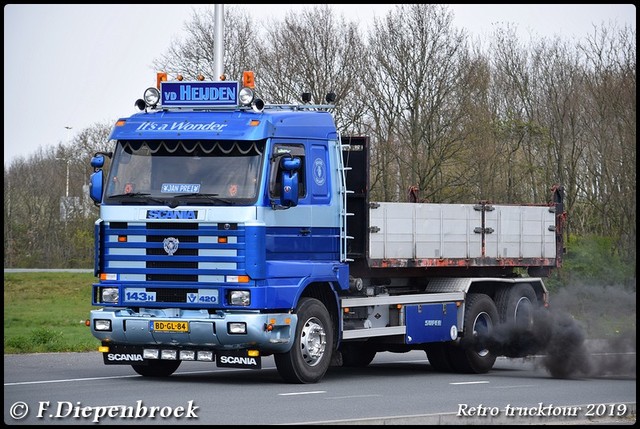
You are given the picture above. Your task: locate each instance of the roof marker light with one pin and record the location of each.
(248, 79)
(160, 77)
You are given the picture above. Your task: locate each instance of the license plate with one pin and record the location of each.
(167, 326)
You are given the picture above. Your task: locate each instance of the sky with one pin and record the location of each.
(68, 67)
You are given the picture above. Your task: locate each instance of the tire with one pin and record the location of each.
(480, 316)
(438, 355)
(517, 304)
(357, 355)
(310, 355)
(157, 368)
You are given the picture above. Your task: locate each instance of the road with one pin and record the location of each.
(77, 388)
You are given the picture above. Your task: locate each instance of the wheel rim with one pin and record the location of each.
(523, 314)
(312, 341)
(482, 326)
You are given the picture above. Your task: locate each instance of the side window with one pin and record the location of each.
(275, 175)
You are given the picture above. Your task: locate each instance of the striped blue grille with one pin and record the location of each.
(199, 257)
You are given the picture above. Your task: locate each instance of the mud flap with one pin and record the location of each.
(238, 359)
(123, 355)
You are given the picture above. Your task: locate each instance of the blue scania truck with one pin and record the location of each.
(231, 230)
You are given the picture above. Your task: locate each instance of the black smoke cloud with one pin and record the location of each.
(587, 331)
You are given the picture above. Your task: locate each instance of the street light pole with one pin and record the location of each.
(68, 159)
(67, 192)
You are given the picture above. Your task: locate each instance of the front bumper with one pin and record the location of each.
(269, 333)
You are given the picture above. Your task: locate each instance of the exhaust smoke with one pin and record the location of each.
(587, 331)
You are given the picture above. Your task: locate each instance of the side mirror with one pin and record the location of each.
(96, 186)
(289, 189)
(97, 161)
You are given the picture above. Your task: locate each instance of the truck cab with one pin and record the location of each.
(215, 217)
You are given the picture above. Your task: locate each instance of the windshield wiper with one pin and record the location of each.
(147, 196)
(196, 195)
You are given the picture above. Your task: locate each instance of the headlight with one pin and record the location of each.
(102, 325)
(110, 294)
(236, 328)
(246, 96)
(240, 297)
(151, 96)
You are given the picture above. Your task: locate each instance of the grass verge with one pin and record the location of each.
(46, 312)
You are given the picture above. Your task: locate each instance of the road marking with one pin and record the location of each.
(513, 387)
(21, 383)
(471, 382)
(65, 380)
(354, 396)
(302, 393)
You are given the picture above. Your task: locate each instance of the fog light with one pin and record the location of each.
(151, 354)
(169, 354)
(187, 355)
(206, 356)
(102, 325)
(237, 328)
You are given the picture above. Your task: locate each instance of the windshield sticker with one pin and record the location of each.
(183, 188)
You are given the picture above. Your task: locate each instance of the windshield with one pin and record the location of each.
(158, 171)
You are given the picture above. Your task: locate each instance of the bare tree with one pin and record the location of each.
(48, 216)
(483, 165)
(195, 54)
(312, 51)
(315, 52)
(609, 182)
(33, 191)
(558, 100)
(416, 68)
(516, 130)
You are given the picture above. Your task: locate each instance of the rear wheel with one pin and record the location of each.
(516, 305)
(438, 355)
(310, 355)
(469, 355)
(157, 368)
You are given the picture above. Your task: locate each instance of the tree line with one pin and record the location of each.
(459, 119)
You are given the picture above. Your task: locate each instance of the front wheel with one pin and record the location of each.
(310, 355)
(157, 368)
